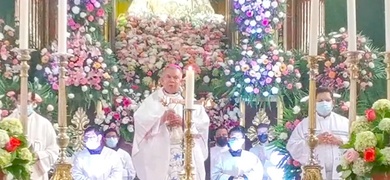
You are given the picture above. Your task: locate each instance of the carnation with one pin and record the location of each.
(11, 125)
(385, 160)
(360, 168)
(5, 159)
(360, 124)
(364, 140)
(4, 138)
(381, 105)
(384, 125)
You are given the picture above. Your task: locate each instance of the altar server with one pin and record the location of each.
(157, 151)
(96, 162)
(111, 139)
(237, 164)
(332, 130)
(261, 150)
(41, 138)
(221, 139)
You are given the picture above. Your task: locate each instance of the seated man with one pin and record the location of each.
(111, 139)
(96, 162)
(261, 150)
(221, 138)
(237, 164)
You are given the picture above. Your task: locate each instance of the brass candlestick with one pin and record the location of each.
(24, 57)
(188, 172)
(352, 61)
(63, 167)
(387, 61)
(312, 170)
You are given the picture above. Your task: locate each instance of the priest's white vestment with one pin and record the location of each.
(247, 164)
(43, 139)
(155, 155)
(104, 166)
(328, 155)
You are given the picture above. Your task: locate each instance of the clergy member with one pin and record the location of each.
(157, 153)
(331, 131)
(236, 163)
(111, 139)
(41, 138)
(221, 139)
(261, 150)
(96, 162)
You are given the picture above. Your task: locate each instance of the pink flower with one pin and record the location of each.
(90, 7)
(351, 155)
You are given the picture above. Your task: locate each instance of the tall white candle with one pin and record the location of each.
(62, 25)
(314, 27)
(190, 84)
(387, 24)
(24, 11)
(351, 10)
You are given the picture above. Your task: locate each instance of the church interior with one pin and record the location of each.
(256, 63)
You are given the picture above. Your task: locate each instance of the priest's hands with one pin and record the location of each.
(171, 118)
(328, 138)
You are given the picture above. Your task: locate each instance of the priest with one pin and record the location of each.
(157, 149)
(332, 131)
(41, 138)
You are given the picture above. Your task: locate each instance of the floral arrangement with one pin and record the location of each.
(10, 65)
(368, 151)
(16, 158)
(334, 70)
(147, 44)
(224, 112)
(119, 115)
(92, 68)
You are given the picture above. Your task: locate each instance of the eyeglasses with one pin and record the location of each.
(235, 138)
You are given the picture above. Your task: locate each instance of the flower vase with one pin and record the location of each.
(383, 176)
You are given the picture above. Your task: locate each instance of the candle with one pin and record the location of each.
(351, 10)
(62, 25)
(387, 24)
(23, 23)
(314, 27)
(190, 83)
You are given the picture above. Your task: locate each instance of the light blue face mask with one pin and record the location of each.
(324, 108)
(112, 142)
(30, 109)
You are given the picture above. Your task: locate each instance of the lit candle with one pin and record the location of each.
(190, 83)
(62, 25)
(387, 24)
(351, 11)
(23, 23)
(314, 26)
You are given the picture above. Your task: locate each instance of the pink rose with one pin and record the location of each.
(351, 155)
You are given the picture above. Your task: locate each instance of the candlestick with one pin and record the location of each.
(387, 24)
(23, 23)
(62, 25)
(351, 11)
(314, 26)
(62, 117)
(190, 83)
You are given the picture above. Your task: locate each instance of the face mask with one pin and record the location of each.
(263, 138)
(30, 109)
(222, 141)
(92, 144)
(235, 145)
(324, 108)
(112, 142)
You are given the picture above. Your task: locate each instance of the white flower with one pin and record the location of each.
(83, 14)
(283, 136)
(342, 30)
(76, 2)
(130, 128)
(114, 68)
(228, 84)
(70, 96)
(4, 138)
(296, 109)
(50, 108)
(206, 79)
(105, 91)
(75, 10)
(332, 41)
(84, 88)
(1, 36)
(106, 83)
(92, 29)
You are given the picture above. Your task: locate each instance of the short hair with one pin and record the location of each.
(237, 129)
(221, 127)
(18, 92)
(263, 125)
(110, 130)
(94, 128)
(320, 90)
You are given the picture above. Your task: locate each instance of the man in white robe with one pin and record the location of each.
(111, 139)
(332, 130)
(42, 139)
(261, 150)
(236, 163)
(221, 140)
(157, 149)
(96, 162)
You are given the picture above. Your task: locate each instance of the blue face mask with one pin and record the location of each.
(30, 109)
(324, 108)
(112, 142)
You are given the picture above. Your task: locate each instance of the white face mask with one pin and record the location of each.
(92, 144)
(112, 142)
(30, 109)
(324, 108)
(236, 144)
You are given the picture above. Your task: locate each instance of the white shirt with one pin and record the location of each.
(247, 164)
(215, 151)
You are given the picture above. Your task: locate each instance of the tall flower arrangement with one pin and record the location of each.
(16, 158)
(224, 112)
(368, 151)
